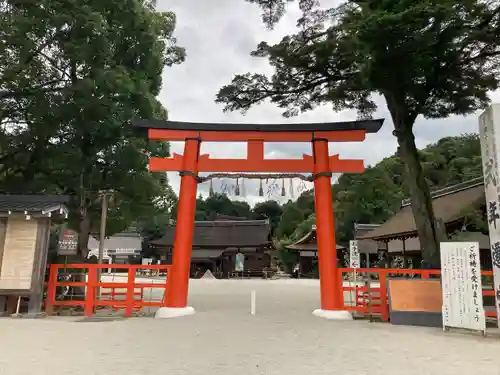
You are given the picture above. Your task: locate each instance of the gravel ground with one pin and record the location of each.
(222, 338)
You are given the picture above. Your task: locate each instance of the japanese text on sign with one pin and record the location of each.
(354, 257)
(461, 285)
(488, 124)
(68, 242)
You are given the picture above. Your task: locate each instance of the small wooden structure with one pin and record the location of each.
(24, 241)
(121, 248)
(368, 249)
(307, 247)
(216, 243)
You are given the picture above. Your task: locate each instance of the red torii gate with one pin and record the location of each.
(320, 164)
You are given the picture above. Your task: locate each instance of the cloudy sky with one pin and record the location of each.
(218, 36)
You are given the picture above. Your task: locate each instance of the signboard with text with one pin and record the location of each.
(461, 286)
(68, 242)
(354, 257)
(489, 131)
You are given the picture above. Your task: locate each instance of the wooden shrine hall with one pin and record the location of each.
(216, 243)
(307, 248)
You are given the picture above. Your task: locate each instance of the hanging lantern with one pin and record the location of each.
(283, 191)
(237, 188)
(261, 190)
(211, 189)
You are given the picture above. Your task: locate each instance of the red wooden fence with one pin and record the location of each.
(380, 302)
(91, 300)
(134, 295)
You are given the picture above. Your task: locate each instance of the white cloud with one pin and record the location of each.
(218, 36)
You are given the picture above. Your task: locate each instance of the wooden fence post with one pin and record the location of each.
(130, 292)
(90, 295)
(51, 289)
(383, 295)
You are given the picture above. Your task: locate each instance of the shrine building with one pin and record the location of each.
(216, 243)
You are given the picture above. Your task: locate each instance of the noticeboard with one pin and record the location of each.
(354, 257)
(415, 302)
(68, 242)
(462, 288)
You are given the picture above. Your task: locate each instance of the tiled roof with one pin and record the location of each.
(221, 217)
(309, 243)
(449, 205)
(223, 234)
(32, 203)
(365, 246)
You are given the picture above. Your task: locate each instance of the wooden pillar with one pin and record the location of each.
(327, 251)
(178, 278)
(405, 262)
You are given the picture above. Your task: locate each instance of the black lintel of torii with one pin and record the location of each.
(141, 126)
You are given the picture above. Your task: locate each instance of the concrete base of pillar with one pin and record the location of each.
(173, 312)
(333, 314)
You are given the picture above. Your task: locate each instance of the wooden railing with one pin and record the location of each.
(102, 294)
(374, 300)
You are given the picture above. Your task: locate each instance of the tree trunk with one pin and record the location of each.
(427, 229)
(83, 234)
(79, 275)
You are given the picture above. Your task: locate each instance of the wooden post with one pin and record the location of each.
(90, 295)
(384, 301)
(178, 277)
(102, 235)
(51, 289)
(130, 292)
(327, 248)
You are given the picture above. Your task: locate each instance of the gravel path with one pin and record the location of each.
(222, 338)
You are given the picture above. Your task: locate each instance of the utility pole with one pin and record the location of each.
(102, 230)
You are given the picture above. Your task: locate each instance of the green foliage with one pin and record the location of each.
(292, 216)
(207, 209)
(374, 196)
(72, 76)
(268, 210)
(426, 58)
(288, 259)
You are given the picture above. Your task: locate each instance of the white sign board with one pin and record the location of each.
(489, 131)
(462, 287)
(354, 258)
(240, 262)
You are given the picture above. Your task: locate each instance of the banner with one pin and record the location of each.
(461, 285)
(354, 257)
(488, 121)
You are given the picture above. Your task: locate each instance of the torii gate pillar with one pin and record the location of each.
(327, 246)
(320, 164)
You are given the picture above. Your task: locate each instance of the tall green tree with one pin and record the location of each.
(374, 196)
(292, 216)
(425, 58)
(270, 210)
(72, 76)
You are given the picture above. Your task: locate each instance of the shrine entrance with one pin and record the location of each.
(320, 164)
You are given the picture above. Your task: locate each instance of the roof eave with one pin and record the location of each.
(140, 126)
